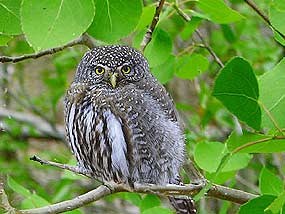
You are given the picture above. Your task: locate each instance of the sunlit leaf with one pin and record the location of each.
(218, 11)
(4, 39)
(190, 28)
(208, 156)
(277, 15)
(269, 183)
(148, 202)
(254, 143)
(55, 23)
(159, 49)
(146, 17)
(190, 66)
(278, 204)
(156, 210)
(165, 71)
(10, 17)
(257, 205)
(272, 96)
(115, 19)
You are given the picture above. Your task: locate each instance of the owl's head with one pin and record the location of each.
(111, 66)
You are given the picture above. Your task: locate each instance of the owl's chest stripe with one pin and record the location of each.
(72, 119)
(116, 138)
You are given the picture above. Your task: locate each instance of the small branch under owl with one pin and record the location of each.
(216, 191)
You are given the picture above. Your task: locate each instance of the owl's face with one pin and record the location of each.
(111, 67)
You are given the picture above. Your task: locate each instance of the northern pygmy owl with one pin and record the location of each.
(121, 123)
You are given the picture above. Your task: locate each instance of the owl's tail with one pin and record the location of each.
(182, 205)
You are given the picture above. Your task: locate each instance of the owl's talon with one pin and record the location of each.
(110, 184)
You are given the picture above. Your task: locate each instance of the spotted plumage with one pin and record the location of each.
(121, 123)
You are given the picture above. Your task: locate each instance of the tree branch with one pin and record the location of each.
(210, 50)
(216, 191)
(72, 204)
(263, 16)
(148, 35)
(82, 40)
(41, 125)
(229, 194)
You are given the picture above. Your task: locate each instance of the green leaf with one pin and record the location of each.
(159, 49)
(208, 156)
(279, 38)
(277, 17)
(218, 11)
(236, 162)
(134, 198)
(221, 177)
(279, 4)
(149, 201)
(115, 19)
(236, 87)
(263, 145)
(10, 17)
(190, 66)
(55, 23)
(32, 200)
(190, 28)
(269, 183)
(156, 210)
(18, 188)
(4, 39)
(228, 33)
(146, 17)
(257, 205)
(278, 204)
(272, 96)
(165, 71)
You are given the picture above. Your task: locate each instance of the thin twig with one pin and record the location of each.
(205, 44)
(210, 50)
(148, 35)
(263, 16)
(268, 113)
(73, 169)
(82, 40)
(257, 142)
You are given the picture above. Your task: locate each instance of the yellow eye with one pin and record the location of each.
(99, 70)
(126, 69)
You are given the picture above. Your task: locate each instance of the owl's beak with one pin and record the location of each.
(113, 79)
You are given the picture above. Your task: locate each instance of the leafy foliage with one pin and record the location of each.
(234, 115)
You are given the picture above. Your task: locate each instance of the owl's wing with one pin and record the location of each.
(159, 93)
(99, 138)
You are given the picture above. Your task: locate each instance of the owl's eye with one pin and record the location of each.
(99, 70)
(126, 69)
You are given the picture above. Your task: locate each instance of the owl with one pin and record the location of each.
(121, 123)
